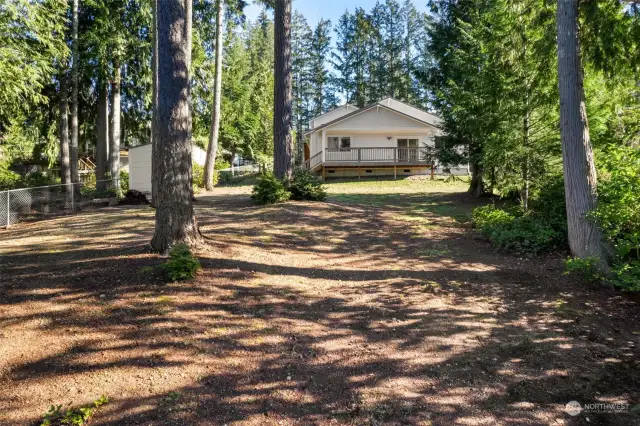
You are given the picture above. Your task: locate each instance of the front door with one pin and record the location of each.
(408, 149)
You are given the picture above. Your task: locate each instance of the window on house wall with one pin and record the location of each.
(339, 142)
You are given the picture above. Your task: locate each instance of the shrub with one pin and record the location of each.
(36, 179)
(270, 190)
(8, 179)
(487, 217)
(305, 186)
(124, 181)
(198, 177)
(589, 268)
(512, 231)
(618, 212)
(182, 264)
(626, 275)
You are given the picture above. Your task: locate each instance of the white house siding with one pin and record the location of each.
(412, 111)
(314, 144)
(140, 166)
(377, 119)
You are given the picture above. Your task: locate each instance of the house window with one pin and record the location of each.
(408, 149)
(339, 142)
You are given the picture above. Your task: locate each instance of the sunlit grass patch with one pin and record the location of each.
(431, 285)
(432, 253)
(563, 310)
(164, 300)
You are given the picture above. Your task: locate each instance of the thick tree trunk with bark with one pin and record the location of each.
(476, 187)
(585, 239)
(175, 219)
(114, 130)
(102, 144)
(212, 149)
(65, 170)
(74, 94)
(154, 97)
(282, 111)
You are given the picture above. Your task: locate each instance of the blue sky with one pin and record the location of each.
(314, 10)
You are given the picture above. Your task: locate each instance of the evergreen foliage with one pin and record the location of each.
(182, 264)
(305, 186)
(270, 190)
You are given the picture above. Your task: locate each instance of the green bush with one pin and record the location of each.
(270, 190)
(626, 275)
(487, 217)
(305, 186)
(8, 179)
(198, 177)
(589, 268)
(36, 179)
(124, 181)
(618, 212)
(512, 231)
(182, 264)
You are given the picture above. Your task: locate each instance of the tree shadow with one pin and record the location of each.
(338, 317)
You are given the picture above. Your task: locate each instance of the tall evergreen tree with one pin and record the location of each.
(319, 52)
(585, 238)
(175, 218)
(75, 57)
(282, 109)
(301, 67)
(212, 147)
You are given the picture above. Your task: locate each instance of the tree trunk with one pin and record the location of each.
(175, 219)
(154, 98)
(283, 150)
(579, 169)
(476, 187)
(74, 94)
(65, 171)
(102, 145)
(212, 149)
(114, 130)
(526, 166)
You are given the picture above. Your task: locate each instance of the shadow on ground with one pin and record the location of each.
(387, 312)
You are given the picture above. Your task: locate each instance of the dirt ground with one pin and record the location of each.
(377, 307)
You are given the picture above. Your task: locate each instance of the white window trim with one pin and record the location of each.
(339, 140)
(421, 143)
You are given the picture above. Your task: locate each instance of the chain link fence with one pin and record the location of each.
(17, 205)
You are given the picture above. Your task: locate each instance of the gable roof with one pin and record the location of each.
(346, 106)
(410, 112)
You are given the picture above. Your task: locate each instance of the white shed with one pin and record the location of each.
(140, 165)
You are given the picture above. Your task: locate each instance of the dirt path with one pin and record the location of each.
(375, 308)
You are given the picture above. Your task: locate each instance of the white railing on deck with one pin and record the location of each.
(391, 154)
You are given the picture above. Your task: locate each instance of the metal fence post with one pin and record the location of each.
(73, 190)
(8, 211)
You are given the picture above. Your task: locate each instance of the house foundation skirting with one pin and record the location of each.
(358, 172)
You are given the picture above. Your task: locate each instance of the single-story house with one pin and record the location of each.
(387, 137)
(140, 165)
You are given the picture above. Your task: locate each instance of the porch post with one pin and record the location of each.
(324, 144)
